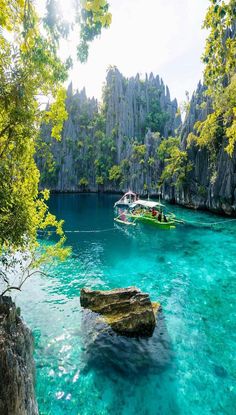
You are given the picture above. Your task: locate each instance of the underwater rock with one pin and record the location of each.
(127, 310)
(17, 369)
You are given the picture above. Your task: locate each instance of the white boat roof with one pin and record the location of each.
(146, 203)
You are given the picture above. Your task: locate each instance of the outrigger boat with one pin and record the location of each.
(145, 211)
(152, 213)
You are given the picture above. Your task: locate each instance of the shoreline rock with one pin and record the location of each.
(17, 370)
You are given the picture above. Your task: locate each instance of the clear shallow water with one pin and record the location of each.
(187, 367)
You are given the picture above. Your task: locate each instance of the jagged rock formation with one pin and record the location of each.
(127, 310)
(211, 184)
(16, 363)
(133, 105)
(113, 147)
(74, 155)
(94, 140)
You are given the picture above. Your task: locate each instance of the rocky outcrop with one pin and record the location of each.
(94, 139)
(211, 184)
(133, 105)
(127, 310)
(125, 132)
(17, 395)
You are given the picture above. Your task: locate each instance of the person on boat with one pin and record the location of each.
(159, 217)
(123, 217)
(154, 212)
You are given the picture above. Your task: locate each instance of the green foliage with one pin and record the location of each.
(29, 68)
(115, 174)
(219, 76)
(166, 147)
(99, 180)
(220, 50)
(83, 182)
(151, 161)
(221, 123)
(94, 17)
(156, 118)
(139, 151)
(176, 161)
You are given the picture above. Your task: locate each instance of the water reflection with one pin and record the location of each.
(114, 354)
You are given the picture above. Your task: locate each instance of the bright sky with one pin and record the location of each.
(159, 36)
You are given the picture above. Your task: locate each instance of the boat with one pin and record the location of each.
(130, 210)
(128, 199)
(152, 213)
(124, 217)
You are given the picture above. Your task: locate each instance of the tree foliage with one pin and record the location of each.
(115, 173)
(176, 161)
(220, 51)
(219, 77)
(30, 71)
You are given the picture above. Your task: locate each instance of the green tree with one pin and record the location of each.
(176, 162)
(31, 68)
(115, 174)
(219, 77)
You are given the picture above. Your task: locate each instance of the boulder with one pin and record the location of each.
(127, 310)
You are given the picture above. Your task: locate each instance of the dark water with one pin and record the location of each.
(187, 367)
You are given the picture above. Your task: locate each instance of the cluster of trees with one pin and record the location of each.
(30, 70)
(219, 128)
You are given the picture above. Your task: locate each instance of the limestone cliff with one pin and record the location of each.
(211, 184)
(113, 146)
(96, 138)
(132, 106)
(16, 363)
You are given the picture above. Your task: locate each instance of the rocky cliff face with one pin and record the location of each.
(96, 139)
(113, 147)
(16, 363)
(133, 105)
(211, 184)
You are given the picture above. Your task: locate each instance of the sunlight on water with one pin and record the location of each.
(187, 367)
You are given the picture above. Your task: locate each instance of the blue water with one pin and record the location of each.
(187, 367)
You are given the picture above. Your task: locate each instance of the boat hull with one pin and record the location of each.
(153, 222)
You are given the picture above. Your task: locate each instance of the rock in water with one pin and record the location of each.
(127, 310)
(17, 395)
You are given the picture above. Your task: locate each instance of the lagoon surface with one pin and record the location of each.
(188, 367)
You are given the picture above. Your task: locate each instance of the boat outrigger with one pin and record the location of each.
(144, 211)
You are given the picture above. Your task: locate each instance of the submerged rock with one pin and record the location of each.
(17, 395)
(127, 310)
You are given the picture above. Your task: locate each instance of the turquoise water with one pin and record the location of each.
(187, 367)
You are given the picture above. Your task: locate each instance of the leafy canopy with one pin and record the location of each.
(30, 71)
(176, 161)
(219, 77)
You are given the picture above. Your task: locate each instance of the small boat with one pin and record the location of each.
(150, 212)
(128, 199)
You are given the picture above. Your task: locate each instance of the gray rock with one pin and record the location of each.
(17, 371)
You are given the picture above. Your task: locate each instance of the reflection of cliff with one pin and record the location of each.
(113, 147)
(16, 363)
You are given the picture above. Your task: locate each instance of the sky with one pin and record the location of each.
(160, 36)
